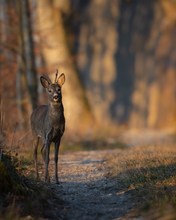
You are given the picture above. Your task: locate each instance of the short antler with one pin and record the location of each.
(56, 76)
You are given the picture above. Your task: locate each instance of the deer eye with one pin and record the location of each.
(49, 90)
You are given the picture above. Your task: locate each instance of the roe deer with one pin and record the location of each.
(48, 123)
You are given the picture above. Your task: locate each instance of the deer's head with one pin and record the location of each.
(53, 89)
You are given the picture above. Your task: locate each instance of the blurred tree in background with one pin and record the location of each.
(127, 59)
(119, 58)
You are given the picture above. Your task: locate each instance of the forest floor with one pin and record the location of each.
(89, 188)
(121, 183)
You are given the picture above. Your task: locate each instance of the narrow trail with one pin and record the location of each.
(86, 191)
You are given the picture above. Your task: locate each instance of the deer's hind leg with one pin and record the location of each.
(35, 146)
(57, 144)
(43, 152)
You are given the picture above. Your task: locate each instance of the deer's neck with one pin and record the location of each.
(56, 111)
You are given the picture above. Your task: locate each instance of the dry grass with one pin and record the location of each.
(149, 172)
(22, 197)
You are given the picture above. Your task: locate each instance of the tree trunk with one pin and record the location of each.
(53, 42)
(28, 50)
(21, 79)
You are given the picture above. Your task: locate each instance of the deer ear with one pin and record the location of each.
(45, 82)
(61, 79)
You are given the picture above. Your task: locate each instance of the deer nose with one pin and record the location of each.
(55, 97)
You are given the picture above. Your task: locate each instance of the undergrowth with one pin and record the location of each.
(20, 196)
(10, 180)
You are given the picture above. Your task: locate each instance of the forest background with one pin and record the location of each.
(119, 58)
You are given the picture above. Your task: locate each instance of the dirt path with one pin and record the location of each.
(86, 191)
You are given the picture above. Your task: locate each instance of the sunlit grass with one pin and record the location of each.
(149, 172)
(96, 144)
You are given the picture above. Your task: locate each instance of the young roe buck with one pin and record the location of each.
(48, 123)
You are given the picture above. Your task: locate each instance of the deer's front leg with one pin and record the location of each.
(47, 159)
(35, 145)
(57, 144)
